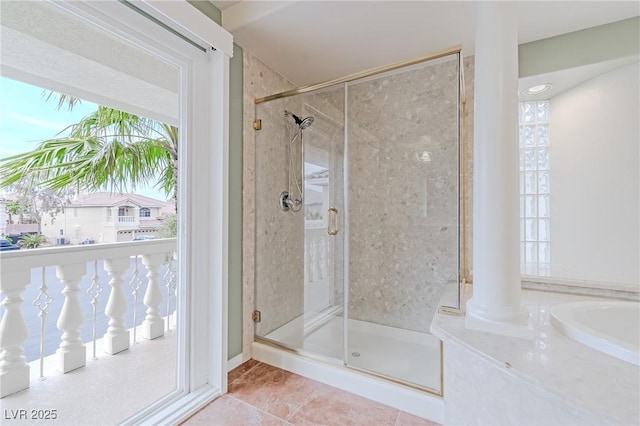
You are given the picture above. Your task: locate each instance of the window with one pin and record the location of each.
(535, 238)
(202, 100)
(145, 212)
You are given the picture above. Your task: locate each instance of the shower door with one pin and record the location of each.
(299, 254)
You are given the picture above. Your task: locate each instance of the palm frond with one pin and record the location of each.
(107, 150)
(63, 100)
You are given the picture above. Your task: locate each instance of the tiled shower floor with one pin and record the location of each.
(260, 394)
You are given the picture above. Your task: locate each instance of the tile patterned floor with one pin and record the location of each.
(260, 394)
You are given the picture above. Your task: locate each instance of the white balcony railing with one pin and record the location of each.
(27, 280)
(122, 221)
(317, 254)
(127, 219)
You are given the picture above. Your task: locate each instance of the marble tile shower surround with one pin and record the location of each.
(258, 81)
(403, 212)
(467, 151)
(331, 104)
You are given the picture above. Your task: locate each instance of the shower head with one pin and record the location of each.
(303, 123)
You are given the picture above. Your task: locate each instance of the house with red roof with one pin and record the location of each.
(103, 217)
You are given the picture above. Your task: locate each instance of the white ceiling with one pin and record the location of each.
(314, 41)
(68, 55)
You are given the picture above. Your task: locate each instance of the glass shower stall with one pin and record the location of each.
(357, 217)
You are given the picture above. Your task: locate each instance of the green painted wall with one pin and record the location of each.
(208, 9)
(596, 44)
(235, 203)
(235, 186)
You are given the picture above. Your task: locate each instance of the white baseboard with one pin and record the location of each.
(412, 401)
(234, 362)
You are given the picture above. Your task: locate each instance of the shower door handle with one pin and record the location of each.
(333, 221)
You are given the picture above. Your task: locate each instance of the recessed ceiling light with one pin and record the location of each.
(534, 90)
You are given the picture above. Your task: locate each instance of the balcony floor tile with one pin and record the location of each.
(105, 391)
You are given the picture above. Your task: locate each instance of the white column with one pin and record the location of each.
(14, 370)
(496, 306)
(116, 339)
(153, 324)
(114, 214)
(72, 353)
(136, 216)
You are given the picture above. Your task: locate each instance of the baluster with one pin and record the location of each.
(71, 353)
(322, 257)
(42, 302)
(170, 279)
(153, 324)
(116, 339)
(135, 284)
(94, 291)
(307, 261)
(313, 258)
(14, 370)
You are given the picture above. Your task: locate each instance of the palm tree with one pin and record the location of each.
(107, 150)
(30, 241)
(13, 208)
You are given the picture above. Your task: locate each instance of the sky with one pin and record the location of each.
(27, 118)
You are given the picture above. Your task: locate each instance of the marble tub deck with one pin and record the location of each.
(260, 394)
(550, 379)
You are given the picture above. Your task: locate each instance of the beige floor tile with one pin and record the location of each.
(406, 419)
(273, 390)
(228, 411)
(241, 369)
(331, 406)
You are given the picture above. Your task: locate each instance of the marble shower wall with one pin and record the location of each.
(403, 194)
(466, 192)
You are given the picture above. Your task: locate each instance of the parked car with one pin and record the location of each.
(6, 245)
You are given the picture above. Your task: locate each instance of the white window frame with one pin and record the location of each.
(202, 189)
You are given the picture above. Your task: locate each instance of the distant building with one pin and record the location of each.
(103, 217)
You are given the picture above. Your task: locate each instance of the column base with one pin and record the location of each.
(71, 360)
(115, 344)
(152, 331)
(513, 322)
(14, 381)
